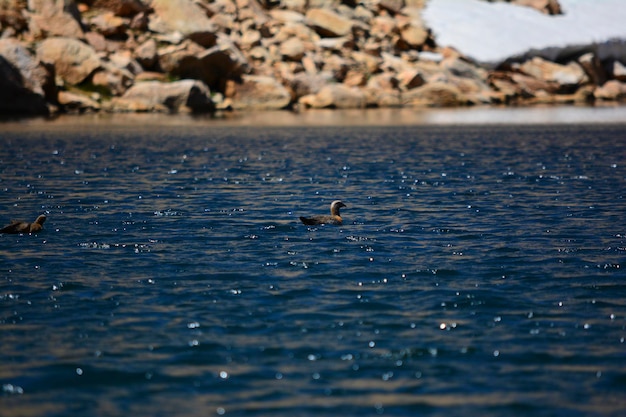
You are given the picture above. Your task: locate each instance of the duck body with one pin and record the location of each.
(334, 218)
(24, 227)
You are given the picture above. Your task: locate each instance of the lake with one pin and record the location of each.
(479, 269)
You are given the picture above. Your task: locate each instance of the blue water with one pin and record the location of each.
(479, 271)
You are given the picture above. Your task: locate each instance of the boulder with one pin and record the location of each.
(414, 35)
(337, 96)
(109, 24)
(303, 83)
(183, 16)
(259, 93)
(114, 81)
(146, 54)
(54, 18)
(328, 23)
(179, 96)
(593, 68)
(77, 103)
(32, 74)
(392, 6)
(462, 68)
(521, 85)
(410, 78)
(213, 66)
(97, 41)
(292, 49)
(22, 81)
(123, 8)
(568, 77)
(437, 94)
(286, 16)
(382, 98)
(73, 60)
(612, 90)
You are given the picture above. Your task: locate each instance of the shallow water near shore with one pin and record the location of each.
(479, 269)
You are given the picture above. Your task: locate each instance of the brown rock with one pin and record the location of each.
(140, 22)
(286, 16)
(303, 84)
(530, 86)
(146, 54)
(115, 80)
(108, 24)
(124, 8)
(355, 78)
(12, 16)
(179, 96)
(183, 16)
(259, 93)
(612, 90)
(77, 103)
(370, 63)
(436, 94)
(593, 68)
(328, 23)
(337, 96)
(383, 81)
(393, 6)
(96, 41)
(414, 32)
(73, 60)
(382, 98)
(568, 77)
(382, 26)
(150, 76)
(410, 78)
(414, 36)
(292, 49)
(54, 18)
(213, 66)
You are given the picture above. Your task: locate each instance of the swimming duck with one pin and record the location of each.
(17, 226)
(334, 217)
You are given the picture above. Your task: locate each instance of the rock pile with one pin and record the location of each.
(208, 55)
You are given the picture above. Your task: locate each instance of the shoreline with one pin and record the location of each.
(483, 115)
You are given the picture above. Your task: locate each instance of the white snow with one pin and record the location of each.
(491, 33)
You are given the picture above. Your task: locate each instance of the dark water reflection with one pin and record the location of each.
(479, 271)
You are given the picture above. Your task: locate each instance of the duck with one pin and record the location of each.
(334, 218)
(17, 226)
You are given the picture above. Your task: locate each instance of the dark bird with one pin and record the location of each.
(17, 226)
(334, 218)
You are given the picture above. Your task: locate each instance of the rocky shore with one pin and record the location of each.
(67, 56)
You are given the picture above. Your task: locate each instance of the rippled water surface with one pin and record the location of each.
(479, 271)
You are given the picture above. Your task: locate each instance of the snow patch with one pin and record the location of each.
(491, 33)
